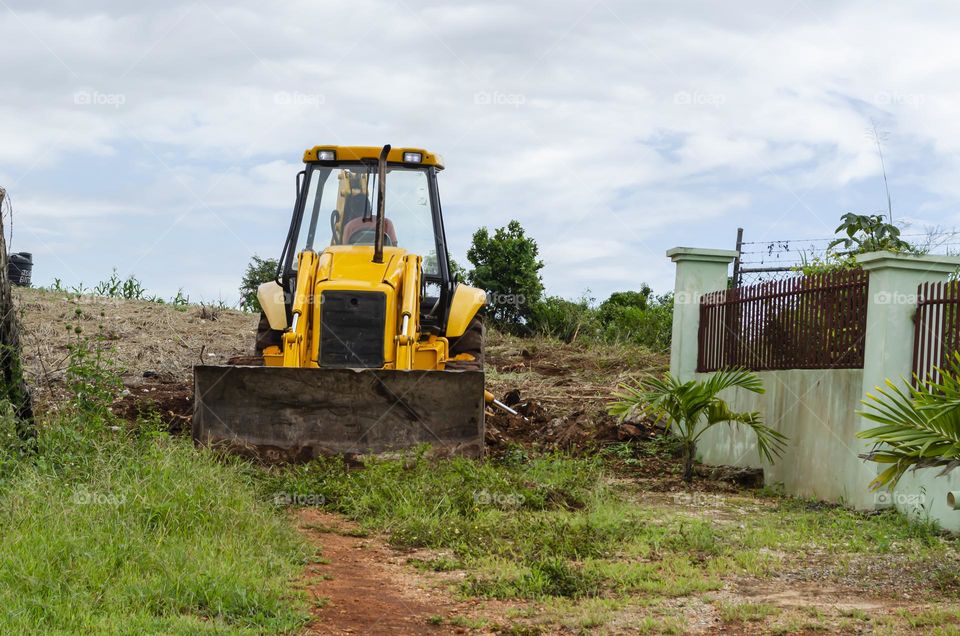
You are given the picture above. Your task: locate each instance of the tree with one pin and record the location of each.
(259, 271)
(919, 426)
(457, 271)
(507, 267)
(691, 408)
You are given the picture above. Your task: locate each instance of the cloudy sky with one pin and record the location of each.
(163, 138)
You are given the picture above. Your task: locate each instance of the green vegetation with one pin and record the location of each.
(625, 318)
(690, 408)
(110, 527)
(858, 234)
(746, 612)
(259, 271)
(919, 426)
(868, 233)
(129, 288)
(555, 527)
(507, 267)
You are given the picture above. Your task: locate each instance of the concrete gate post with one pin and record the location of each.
(888, 346)
(698, 271)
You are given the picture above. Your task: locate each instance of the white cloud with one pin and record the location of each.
(190, 118)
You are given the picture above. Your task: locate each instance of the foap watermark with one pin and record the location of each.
(296, 98)
(93, 97)
(899, 499)
(896, 298)
(298, 499)
(698, 499)
(502, 500)
(495, 299)
(698, 98)
(687, 298)
(87, 498)
(895, 98)
(496, 98)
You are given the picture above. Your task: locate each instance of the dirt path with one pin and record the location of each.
(361, 588)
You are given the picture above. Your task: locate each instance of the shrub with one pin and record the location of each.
(563, 319)
(259, 271)
(626, 317)
(650, 326)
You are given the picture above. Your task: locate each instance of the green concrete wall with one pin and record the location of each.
(815, 410)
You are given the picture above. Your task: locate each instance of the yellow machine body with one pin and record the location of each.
(354, 369)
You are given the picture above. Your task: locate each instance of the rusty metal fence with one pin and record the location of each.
(937, 329)
(807, 322)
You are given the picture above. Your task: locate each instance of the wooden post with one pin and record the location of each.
(13, 386)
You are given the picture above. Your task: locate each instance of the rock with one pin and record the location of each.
(629, 431)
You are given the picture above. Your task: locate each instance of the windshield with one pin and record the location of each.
(340, 209)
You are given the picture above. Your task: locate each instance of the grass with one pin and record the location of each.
(115, 531)
(111, 528)
(556, 526)
(746, 612)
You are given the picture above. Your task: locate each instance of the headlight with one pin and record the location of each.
(326, 155)
(412, 157)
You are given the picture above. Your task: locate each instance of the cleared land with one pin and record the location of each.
(570, 526)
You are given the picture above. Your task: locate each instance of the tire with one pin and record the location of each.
(472, 341)
(267, 337)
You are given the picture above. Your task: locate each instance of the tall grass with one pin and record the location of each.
(110, 528)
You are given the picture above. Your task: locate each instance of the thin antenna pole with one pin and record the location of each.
(883, 169)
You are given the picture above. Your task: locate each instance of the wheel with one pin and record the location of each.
(267, 337)
(472, 342)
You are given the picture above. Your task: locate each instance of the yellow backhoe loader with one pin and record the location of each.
(368, 343)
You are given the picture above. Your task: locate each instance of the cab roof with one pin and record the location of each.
(357, 153)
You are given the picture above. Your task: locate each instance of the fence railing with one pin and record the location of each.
(807, 322)
(937, 329)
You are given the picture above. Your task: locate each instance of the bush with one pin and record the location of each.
(635, 317)
(650, 327)
(565, 320)
(259, 271)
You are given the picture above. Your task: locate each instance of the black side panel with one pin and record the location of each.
(351, 329)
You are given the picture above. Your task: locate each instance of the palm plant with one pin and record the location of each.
(691, 408)
(919, 426)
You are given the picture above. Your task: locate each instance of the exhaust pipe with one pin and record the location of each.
(381, 195)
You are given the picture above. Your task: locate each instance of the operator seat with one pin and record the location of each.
(363, 231)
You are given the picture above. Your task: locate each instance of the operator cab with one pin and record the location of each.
(336, 194)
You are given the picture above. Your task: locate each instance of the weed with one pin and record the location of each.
(438, 564)
(746, 612)
(92, 378)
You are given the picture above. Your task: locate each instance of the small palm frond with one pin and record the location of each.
(655, 397)
(736, 377)
(918, 428)
(770, 442)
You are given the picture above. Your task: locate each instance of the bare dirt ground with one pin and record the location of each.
(154, 345)
(359, 588)
(363, 586)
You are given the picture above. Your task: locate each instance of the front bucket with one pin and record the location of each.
(287, 414)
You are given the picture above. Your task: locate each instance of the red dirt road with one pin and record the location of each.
(358, 590)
